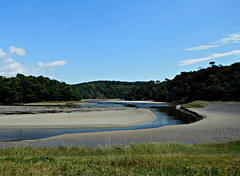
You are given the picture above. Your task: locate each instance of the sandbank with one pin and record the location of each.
(123, 117)
(222, 124)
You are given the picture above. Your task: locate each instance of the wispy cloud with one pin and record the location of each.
(202, 47)
(2, 54)
(18, 51)
(231, 38)
(213, 56)
(52, 64)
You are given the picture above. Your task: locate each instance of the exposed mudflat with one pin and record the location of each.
(222, 124)
(36, 109)
(98, 117)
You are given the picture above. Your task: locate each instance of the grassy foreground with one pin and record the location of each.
(134, 159)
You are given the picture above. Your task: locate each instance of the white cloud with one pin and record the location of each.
(213, 56)
(18, 51)
(52, 64)
(2, 54)
(202, 47)
(10, 67)
(231, 38)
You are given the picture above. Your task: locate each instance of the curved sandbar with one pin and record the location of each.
(222, 124)
(93, 119)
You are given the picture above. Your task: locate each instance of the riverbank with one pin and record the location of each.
(95, 117)
(222, 124)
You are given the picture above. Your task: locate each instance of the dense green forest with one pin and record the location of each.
(107, 89)
(212, 83)
(23, 89)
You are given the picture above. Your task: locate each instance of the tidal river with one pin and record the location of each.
(166, 115)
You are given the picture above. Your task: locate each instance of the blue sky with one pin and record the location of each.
(127, 40)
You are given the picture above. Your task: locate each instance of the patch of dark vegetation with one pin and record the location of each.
(106, 89)
(24, 89)
(215, 83)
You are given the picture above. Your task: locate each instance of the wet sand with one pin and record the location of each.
(222, 124)
(100, 118)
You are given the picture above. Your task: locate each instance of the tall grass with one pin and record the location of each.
(135, 159)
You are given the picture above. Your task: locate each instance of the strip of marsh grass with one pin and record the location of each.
(135, 159)
(195, 104)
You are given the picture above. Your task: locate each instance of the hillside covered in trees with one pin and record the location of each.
(107, 89)
(212, 83)
(22, 89)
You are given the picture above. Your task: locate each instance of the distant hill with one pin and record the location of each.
(22, 89)
(107, 89)
(212, 83)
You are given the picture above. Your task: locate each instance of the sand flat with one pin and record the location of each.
(100, 119)
(222, 124)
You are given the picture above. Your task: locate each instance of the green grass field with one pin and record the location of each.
(134, 159)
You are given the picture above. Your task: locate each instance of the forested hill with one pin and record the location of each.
(107, 89)
(212, 83)
(34, 89)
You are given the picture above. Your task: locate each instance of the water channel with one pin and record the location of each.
(166, 115)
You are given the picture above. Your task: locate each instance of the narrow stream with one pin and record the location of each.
(166, 115)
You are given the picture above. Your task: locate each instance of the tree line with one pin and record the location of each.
(106, 89)
(23, 89)
(212, 83)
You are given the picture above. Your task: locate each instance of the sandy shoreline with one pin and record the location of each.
(222, 124)
(103, 118)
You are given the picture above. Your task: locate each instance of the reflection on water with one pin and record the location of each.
(166, 115)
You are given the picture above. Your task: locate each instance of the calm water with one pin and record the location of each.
(166, 115)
